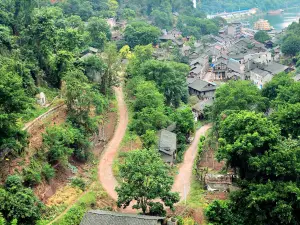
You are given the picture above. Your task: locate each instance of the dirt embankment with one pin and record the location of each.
(45, 190)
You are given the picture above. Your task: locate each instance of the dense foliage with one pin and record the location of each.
(261, 36)
(145, 178)
(18, 202)
(263, 149)
(291, 40)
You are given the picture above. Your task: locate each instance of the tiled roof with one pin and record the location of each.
(99, 217)
(275, 68)
(167, 142)
(201, 85)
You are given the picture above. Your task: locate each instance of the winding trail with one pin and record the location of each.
(105, 171)
(182, 181)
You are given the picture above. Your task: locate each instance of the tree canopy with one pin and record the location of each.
(261, 36)
(145, 179)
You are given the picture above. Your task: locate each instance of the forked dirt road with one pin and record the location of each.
(182, 180)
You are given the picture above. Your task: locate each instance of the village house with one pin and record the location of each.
(167, 145)
(234, 29)
(202, 89)
(199, 66)
(198, 109)
(260, 77)
(225, 68)
(269, 44)
(100, 217)
(275, 68)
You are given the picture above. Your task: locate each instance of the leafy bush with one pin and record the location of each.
(219, 213)
(13, 183)
(18, 202)
(32, 176)
(78, 182)
(57, 141)
(48, 172)
(157, 209)
(73, 216)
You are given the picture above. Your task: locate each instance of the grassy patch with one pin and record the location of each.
(92, 199)
(196, 198)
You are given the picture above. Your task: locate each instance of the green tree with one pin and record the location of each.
(270, 90)
(58, 141)
(244, 135)
(288, 118)
(149, 139)
(141, 55)
(145, 178)
(291, 45)
(238, 95)
(13, 102)
(170, 78)
(94, 68)
(19, 203)
(220, 213)
(99, 31)
(162, 19)
(141, 33)
(128, 14)
(79, 99)
(147, 95)
(288, 94)
(112, 61)
(184, 119)
(261, 36)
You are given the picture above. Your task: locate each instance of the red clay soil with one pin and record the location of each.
(105, 171)
(183, 179)
(45, 190)
(35, 142)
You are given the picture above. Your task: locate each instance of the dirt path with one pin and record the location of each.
(182, 181)
(105, 171)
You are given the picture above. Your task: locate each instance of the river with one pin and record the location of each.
(279, 21)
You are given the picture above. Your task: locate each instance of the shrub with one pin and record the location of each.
(19, 203)
(32, 176)
(219, 212)
(48, 172)
(157, 209)
(13, 183)
(78, 182)
(57, 141)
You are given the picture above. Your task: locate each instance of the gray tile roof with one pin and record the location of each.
(190, 80)
(99, 217)
(260, 72)
(197, 69)
(167, 142)
(275, 68)
(202, 104)
(201, 60)
(202, 85)
(234, 65)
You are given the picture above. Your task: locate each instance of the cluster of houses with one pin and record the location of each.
(232, 54)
